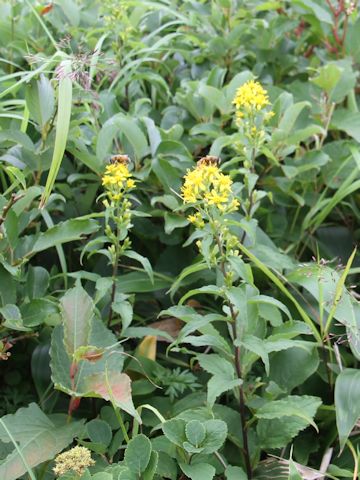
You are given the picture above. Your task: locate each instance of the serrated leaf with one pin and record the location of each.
(195, 432)
(174, 430)
(216, 432)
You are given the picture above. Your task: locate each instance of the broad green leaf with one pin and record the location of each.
(347, 121)
(320, 13)
(135, 282)
(328, 77)
(166, 467)
(173, 221)
(151, 468)
(64, 232)
(255, 345)
(39, 439)
(216, 432)
(99, 432)
(40, 100)
(290, 116)
(195, 432)
(77, 311)
(174, 430)
(347, 394)
(284, 366)
(13, 318)
(198, 471)
(235, 473)
(303, 407)
(127, 126)
(137, 454)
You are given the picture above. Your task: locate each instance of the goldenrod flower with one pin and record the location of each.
(207, 185)
(116, 174)
(77, 459)
(250, 97)
(117, 180)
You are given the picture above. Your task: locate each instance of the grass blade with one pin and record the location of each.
(62, 130)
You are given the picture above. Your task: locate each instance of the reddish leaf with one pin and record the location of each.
(113, 386)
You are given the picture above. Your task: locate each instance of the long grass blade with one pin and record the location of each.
(282, 287)
(62, 130)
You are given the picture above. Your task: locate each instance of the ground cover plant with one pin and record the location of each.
(179, 219)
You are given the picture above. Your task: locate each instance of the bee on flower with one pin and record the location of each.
(207, 187)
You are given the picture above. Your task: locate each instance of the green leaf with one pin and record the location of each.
(62, 130)
(303, 407)
(166, 467)
(40, 100)
(216, 432)
(195, 432)
(223, 375)
(255, 345)
(77, 311)
(320, 13)
(119, 124)
(173, 221)
(13, 318)
(63, 232)
(39, 439)
(328, 77)
(198, 471)
(284, 366)
(99, 432)
(144, 262)
(347, 121)
(137, 454)
(151, 469)
(38, 279)
(174, 430)
(347, 406)
(135, 282)
(235, 473)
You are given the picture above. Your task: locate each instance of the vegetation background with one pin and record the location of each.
(156, 329)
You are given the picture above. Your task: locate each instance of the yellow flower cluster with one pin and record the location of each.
(205, 184)
(251, 97)
(77, 459)
(117, 179)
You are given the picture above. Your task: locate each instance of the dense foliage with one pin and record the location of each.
(179, 212)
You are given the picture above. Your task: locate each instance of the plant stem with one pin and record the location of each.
(121, 423)
(241, 397)
(238, 369)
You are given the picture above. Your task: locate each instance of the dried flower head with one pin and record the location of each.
(77, 459)
(207, 185)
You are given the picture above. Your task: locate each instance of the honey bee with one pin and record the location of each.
(209, 160)
(124, 159)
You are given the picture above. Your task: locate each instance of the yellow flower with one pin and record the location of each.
(250, 97)
(196, 220)
(77, 459)
(116, 174)
(207, 185)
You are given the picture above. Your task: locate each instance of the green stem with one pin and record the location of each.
(121, 423)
